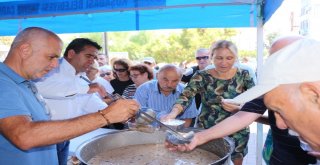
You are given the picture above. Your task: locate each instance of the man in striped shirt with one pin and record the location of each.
(161, 94)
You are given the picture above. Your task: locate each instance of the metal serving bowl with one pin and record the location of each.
(102, 143)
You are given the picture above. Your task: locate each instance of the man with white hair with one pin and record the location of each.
(93, 74)
(202, 56)
(290, 86)
(161, 94)
(106, 72)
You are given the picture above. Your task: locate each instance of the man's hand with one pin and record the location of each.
(184, 147)
(121, 110)
(95, 87)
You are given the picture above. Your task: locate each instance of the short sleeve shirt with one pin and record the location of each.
(149, 96)
(18, 99)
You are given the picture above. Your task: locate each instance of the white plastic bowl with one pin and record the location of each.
(175, 124)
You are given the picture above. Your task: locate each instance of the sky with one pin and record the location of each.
(280, 21)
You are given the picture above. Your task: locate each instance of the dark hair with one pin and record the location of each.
(123, 62)
(142, 68)
(78, 45)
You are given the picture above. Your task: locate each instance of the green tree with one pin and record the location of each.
(164, 46)
(6, 40)
(270, 38)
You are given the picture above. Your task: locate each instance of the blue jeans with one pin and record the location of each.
(63, 152)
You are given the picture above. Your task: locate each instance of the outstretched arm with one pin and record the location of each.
(228, 126)
(22, 131)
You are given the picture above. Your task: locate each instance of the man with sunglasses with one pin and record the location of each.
(68, 91)
(203, 60)
(202, 57)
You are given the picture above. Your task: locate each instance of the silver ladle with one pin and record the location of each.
(172, 131)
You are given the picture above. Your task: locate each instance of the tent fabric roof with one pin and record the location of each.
(75, 16)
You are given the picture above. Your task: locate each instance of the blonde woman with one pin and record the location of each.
(222, 82)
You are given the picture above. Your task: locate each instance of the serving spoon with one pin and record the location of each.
(174, 132)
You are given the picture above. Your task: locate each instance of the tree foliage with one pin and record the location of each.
(166, 46)
(169, 46)
(6, 40)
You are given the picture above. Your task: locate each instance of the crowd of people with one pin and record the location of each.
(57, 98)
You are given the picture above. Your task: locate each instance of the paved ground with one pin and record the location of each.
(251, 157)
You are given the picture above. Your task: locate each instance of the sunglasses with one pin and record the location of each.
(119, 70)
(203, 57)
(147, 63)
(105, 74)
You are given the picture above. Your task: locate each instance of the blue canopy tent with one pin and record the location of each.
(75, 16)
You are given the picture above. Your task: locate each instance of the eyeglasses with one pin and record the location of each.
(119, 70)
(203, 57)
(105, 74)
(134, 75)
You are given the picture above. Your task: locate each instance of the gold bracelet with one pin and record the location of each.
(103, 115)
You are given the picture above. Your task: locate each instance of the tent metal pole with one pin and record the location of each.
(105, 45)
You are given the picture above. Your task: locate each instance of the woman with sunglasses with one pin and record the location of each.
(121, 81)
(139, 74)
(122, 78)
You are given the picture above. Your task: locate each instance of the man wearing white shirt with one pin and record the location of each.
(67, 90)
(93, 74)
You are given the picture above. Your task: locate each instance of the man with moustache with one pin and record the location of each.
(161, 94)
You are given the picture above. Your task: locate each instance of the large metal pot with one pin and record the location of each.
(102, 143)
